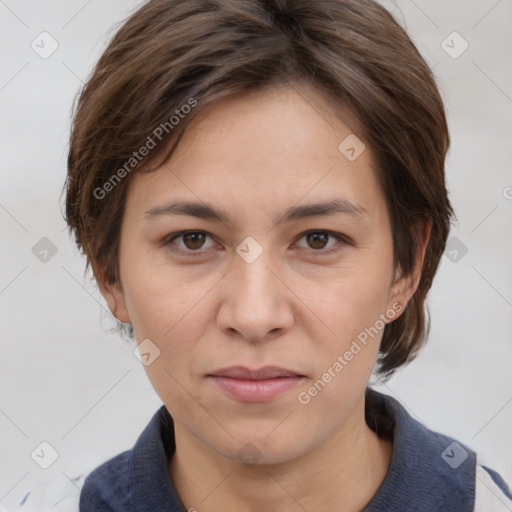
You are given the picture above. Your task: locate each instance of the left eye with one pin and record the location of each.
(318, 240)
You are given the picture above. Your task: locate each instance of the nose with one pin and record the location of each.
(256, 302)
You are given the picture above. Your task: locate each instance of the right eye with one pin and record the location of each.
(190, 241)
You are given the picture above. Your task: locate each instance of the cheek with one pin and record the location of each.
(169, 312)
(353, 298)
(159, 296)
(174, 305)
(173, 315)
(173, 309)
(353, 306)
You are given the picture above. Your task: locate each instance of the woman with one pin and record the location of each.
(259, 188)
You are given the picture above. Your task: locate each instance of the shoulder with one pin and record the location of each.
(106, 487)
(137, 479)
(429, 470)
(455, 470)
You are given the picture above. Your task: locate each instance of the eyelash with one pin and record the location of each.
(167, 242)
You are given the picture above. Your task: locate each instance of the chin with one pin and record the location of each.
(260, 450)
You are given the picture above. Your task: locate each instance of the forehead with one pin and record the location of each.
(266, 149)
(283, 119)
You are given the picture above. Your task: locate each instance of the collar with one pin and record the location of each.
(420, 478)
(429, 472)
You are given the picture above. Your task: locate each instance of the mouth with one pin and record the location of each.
(258, 385)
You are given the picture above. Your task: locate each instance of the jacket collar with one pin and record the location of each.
(429, 472)
(426, 474)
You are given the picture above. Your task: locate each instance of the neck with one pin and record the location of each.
(347, 468)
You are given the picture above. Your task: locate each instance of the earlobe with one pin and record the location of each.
(113, 295)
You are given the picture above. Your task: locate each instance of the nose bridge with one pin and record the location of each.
(253, 276)
(255, 303)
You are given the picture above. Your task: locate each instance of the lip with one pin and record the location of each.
(259, 385)
(267, 372)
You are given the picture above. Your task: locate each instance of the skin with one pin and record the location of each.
(296, 306)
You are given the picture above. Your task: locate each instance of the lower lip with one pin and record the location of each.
(255, 390)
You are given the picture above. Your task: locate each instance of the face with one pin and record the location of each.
(252, 275)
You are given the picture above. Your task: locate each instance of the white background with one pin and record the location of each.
(65, 380)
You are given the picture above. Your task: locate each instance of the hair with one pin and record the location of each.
(170, 54)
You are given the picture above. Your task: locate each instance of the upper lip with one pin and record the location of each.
(267, 372)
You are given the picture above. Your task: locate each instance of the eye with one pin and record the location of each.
(191, 241)
(318, 241)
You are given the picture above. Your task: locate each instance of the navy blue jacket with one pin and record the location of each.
(429, 472)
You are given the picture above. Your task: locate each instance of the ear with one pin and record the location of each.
(113, 295)
(403, 287)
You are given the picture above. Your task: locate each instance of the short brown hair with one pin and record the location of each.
(353, 51)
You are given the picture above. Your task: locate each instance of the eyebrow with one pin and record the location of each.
(208, 212)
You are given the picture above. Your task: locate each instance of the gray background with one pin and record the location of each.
(65, 380)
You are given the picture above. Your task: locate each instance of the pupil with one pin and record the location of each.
(194, 240)
(318, 238)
